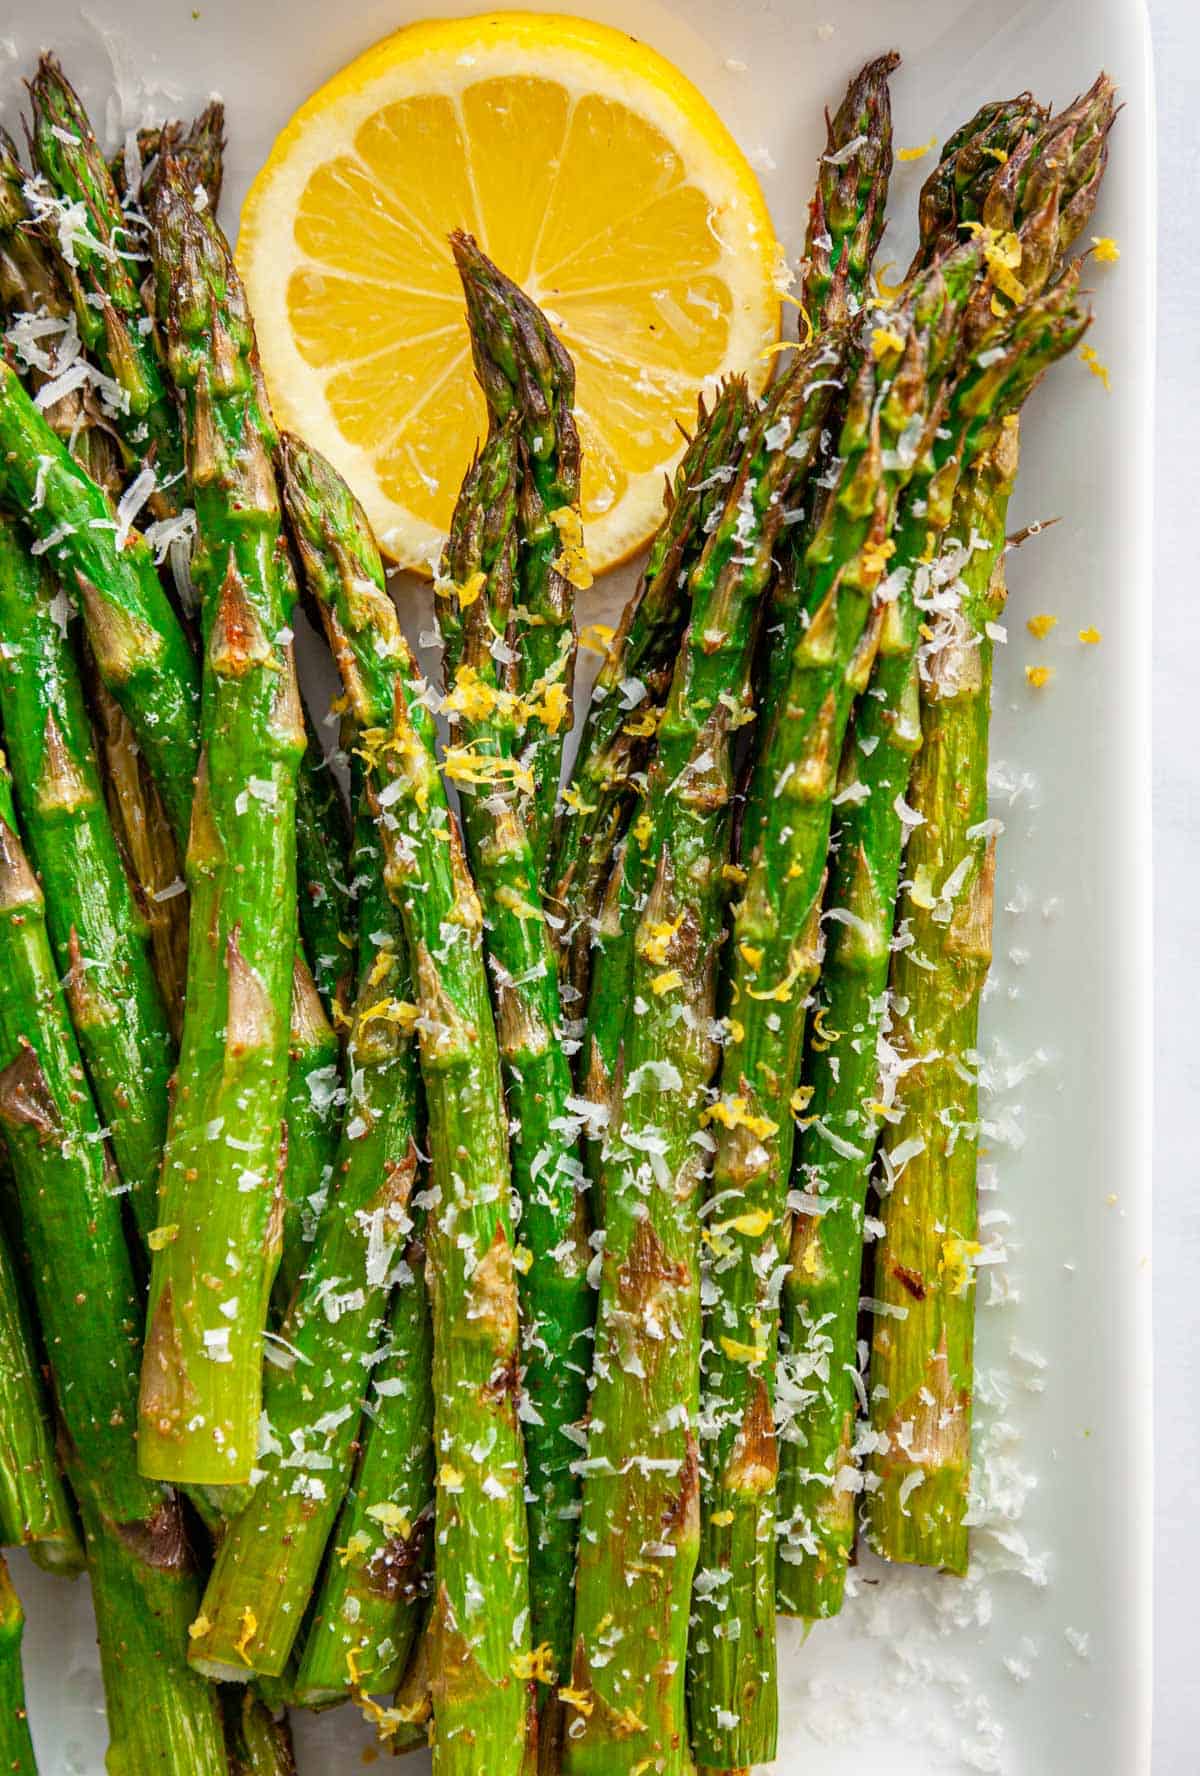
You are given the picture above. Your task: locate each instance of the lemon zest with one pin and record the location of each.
(666, 982)
(573, 800)
(1106, 249)
(956, 1265)
(464, 764)
(655, 945)
(389, 1516)
(1089, 636)
(1039, 676)
(572, 561)
(800, 1099)
(1041, 625)
(917, 153)
(1098, 370)
(734, 1113)
(249, 1623)
(536, 1666)
(596, 637)
(885, 340)
(743, 1353)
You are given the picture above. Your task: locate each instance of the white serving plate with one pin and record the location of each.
(1040, 1662)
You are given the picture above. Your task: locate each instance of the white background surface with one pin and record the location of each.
(1176, 31)
(1177, 783)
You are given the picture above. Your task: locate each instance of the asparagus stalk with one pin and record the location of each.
(42, 328)
(921, 1384)
(478, 572)
(841, 1114)
(100, 936)
(100, 263)
(323, 891)
(369, 1606)
(267, 1563)
(34, 1509)
(141, 651)
(16, 1746)
(921, 1374)
(140, 825)
(895, 405)
(312, 1117)
(638, 1534)
(626, 705)
(200, 149)
(845, 225)
(258, 1744)
(217, 1242)
(161, 1717)
(523, 370)
(481, 1695)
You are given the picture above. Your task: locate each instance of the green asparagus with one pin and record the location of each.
(482, 1695)
(623, 716)
(34, 1509)
(217, 1242)
(921, 1365)
(894, 406)
(100, 937)
(846, 221)
(141, 650)
(267, 1563)
(639, 1529)
(478, 576)
(523, 370)
(161, 1716)
(816, 1506)
(77, 201)
(322, 887)
(16, 1746)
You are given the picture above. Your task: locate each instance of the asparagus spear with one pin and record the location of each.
(523, 370)
(845, 225)
(638, 1533)
(478, 573)
(626, 705)
(258, 1744)
(833, 1157)
(921, 1376)
(481, 1697)
(100, 263)
(312, 1117)
(368, 1609)
(16, 1746)
(217, 1241)
(161, 1717)
(200, 149)
(34, 1509)
(894, 407)
(42, 329)
(323, 891)
(100, 937)
(140, 825)
(140, 648)
(269, 1556)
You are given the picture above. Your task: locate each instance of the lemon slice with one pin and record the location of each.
(592, 172)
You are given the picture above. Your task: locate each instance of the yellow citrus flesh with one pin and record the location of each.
(592, 172)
